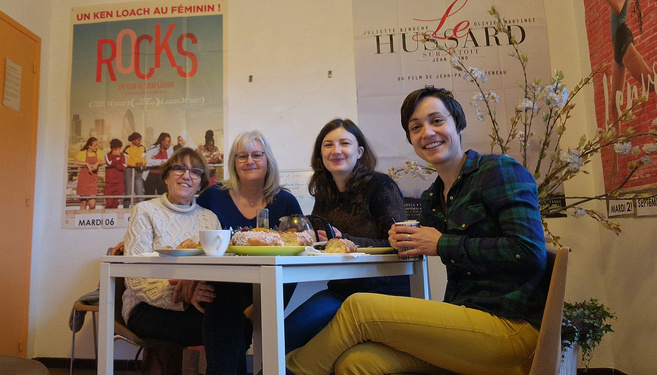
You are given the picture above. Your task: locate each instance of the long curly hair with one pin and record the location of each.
(321, 184)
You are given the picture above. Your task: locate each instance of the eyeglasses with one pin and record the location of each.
(255, 155)
(181, 169)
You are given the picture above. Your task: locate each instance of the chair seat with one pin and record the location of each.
(21, 366)
(80, 306)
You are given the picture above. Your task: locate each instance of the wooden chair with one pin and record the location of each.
(547, 358)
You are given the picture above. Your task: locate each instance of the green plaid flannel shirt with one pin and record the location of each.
(493, 243)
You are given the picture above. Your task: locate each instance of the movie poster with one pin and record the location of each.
(146, 78)
(621, 36)
(396, 52)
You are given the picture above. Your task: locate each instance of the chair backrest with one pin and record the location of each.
(547, 358)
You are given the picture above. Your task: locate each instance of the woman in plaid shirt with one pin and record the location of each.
(481, 218)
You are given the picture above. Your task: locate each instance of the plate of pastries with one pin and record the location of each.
(186, 248)
(261, 241)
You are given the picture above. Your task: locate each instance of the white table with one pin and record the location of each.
(267, 273)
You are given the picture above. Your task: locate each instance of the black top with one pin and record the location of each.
(365, 219)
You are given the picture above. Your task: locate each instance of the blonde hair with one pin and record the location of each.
(272, 179)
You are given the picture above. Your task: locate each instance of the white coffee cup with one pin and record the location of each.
(215, 242)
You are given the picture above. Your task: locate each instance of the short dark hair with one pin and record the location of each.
(195, 159)
(321, 182)
(116, 143)
(445, 96)
(134, 136)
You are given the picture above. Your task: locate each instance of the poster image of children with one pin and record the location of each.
(89, 158)
(133, 182)
(184, 140)
(156, 155)
(114, 171)
(212, 155)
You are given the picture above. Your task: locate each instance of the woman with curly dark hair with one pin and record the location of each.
(361, 204)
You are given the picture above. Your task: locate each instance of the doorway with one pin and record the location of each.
(20, 53)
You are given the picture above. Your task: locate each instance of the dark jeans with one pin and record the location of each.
(224, 330)
(183, 327)
(227, 332)
(311, 317)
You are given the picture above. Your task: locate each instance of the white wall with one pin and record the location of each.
(288, 46)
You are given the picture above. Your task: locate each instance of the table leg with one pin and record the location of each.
(420, 279)
(257, 332)
(106, 322)
(272, 320)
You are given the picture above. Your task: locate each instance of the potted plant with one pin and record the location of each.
(584, 325)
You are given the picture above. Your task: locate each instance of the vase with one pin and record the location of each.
(569, 360)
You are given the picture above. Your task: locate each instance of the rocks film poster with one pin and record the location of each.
(144, 67)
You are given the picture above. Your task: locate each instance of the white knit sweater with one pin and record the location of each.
(155, 224)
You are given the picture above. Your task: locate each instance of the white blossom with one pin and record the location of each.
(556, 95)
(573, 159)
(636, 151)
(623, 148)
(579, 212)
(527, 105)
(492, 96)
(479, 75)
(521, 135)
(455, 61)
(650, 148)
(646, 160)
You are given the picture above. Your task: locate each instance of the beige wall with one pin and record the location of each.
(619, 271)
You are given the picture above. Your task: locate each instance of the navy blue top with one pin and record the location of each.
(220, 202)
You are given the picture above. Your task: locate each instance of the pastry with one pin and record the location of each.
(189, 244)
(268, 237)
(340, 245)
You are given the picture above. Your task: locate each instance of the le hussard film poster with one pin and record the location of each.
(396, 50)
(147, 70)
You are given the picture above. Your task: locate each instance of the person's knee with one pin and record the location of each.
(359, 359)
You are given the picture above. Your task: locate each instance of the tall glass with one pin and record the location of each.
(262, 218)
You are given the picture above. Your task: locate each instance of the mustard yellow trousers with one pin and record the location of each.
(380, 334)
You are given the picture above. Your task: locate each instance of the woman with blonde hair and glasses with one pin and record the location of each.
(253, 183)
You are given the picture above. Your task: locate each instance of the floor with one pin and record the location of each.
(193, 364)
(62, 371)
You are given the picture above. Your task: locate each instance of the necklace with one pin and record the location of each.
(249, 201)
